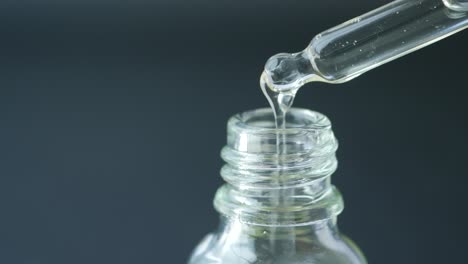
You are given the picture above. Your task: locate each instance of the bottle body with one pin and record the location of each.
(239, 243)
(278, 204)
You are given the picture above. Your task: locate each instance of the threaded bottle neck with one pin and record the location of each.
(279, 177)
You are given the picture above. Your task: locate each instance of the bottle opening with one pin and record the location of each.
(264, 119)
(254, 132)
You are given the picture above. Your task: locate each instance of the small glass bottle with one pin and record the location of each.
(278, 205)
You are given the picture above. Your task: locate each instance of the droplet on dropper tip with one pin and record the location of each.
(281, 69)
(287, 72)
(284, 74)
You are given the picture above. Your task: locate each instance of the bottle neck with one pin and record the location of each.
(234, 228)
(279, 177)
(313, 232)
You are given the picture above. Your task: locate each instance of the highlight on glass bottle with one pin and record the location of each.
(278, 205)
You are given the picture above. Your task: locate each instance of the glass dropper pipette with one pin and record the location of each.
(366, 42)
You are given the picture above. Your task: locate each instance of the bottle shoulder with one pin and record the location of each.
(215, 249)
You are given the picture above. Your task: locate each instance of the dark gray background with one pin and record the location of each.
(113, 113)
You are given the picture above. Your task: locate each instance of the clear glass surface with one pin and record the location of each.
(278, 206)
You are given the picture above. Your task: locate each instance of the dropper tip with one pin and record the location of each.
(286, 71)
